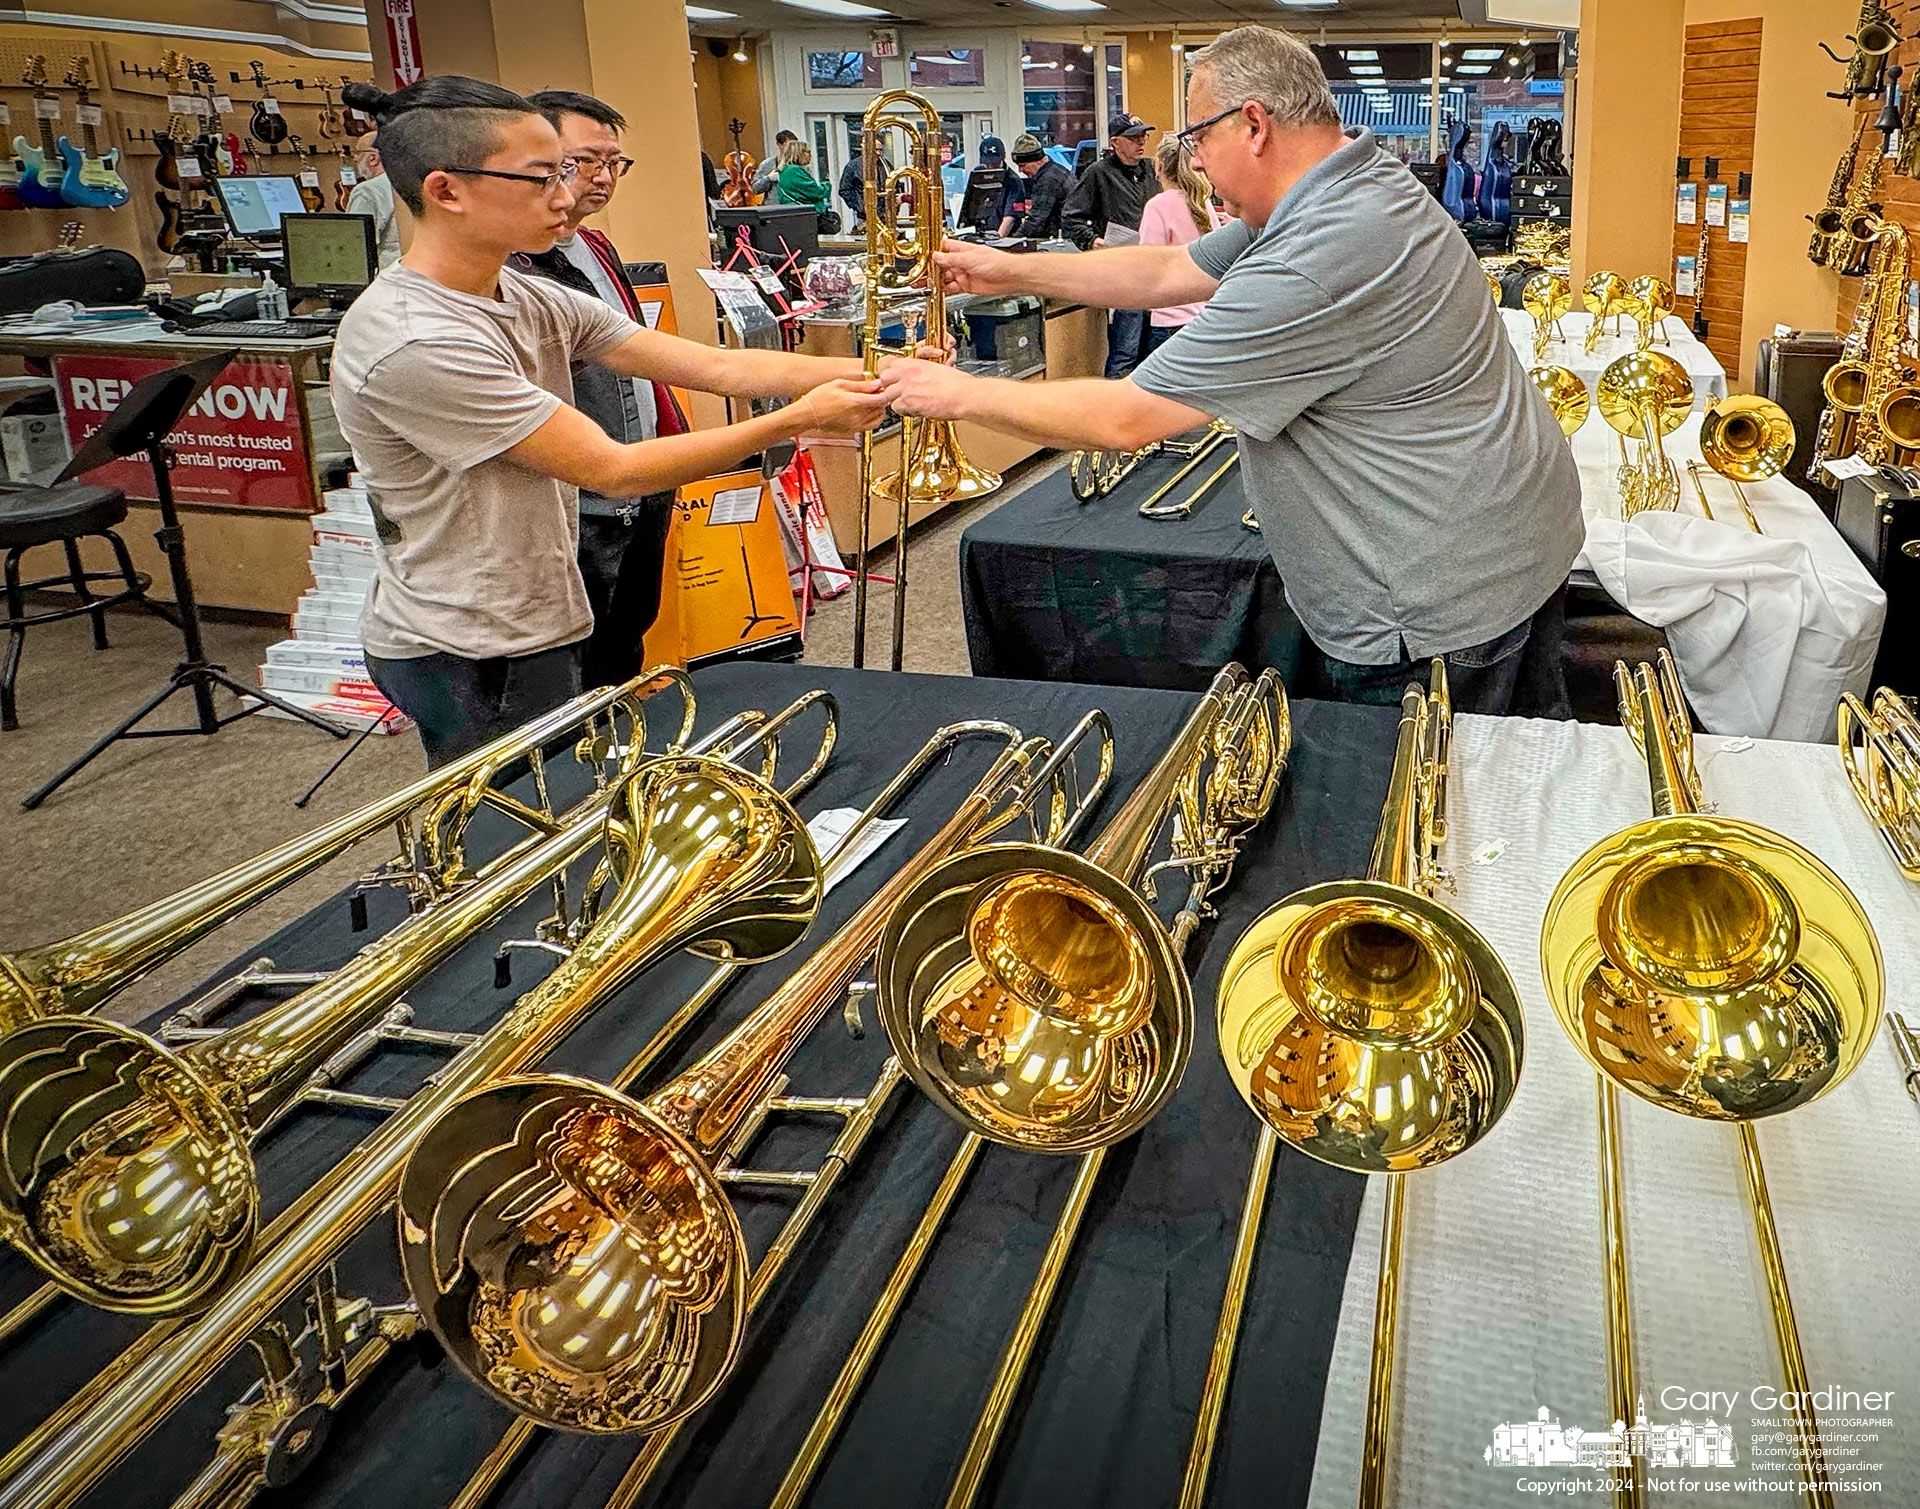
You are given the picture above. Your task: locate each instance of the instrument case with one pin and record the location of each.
(1879, 516)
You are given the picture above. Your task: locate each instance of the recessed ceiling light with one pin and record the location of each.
(1309, 4)
(1067, 4)
(1480, 54)
(1365, 70)
(835, 7)
(1359, 54)
(707, 13)
(1476, 68)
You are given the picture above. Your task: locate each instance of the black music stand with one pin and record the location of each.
(141, 422)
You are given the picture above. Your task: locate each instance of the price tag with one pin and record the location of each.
(1716, 204)
(1684, 276)
(6, 115)
(223, 104)
(1738, 220)
(347, 175)
(46, 109)
(1848, 466)
(270, 105)
(769, 281)
(180, 104)
(1782, 332)
(1686, 204)
(310, 177)
(201, 107)
(89, 115)
(189, 166)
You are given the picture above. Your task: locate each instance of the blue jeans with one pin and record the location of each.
(1517, 672)
(460, 704)
(1123, 340)
(1156, 336)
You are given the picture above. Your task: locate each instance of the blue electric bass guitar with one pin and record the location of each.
(92, 178)
(41, 170)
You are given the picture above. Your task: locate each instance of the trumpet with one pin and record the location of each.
(1880, 749)
(1370, 1026)
(1565, 394)
(1715, 969)
(80, 973)
(1645, 396)
(1547, 298)
(703, 853)
(1745, 438)
(900, 277)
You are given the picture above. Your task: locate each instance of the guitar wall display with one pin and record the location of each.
(42, 168)
(92, 179)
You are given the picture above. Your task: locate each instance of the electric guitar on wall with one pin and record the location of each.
(343, 185)
(42, 168)
(179, 165)
(219, 148)
(92, 180)
(267, 125)
(308, 176)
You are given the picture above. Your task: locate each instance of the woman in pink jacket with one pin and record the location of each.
(1183, 211)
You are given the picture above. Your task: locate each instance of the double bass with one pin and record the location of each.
(738, 190)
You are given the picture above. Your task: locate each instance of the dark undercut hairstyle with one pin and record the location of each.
(554, 103)
(447, 121)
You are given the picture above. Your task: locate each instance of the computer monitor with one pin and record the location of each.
(329, 257)
(255, 203)
(776, 231)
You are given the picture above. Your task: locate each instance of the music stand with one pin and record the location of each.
(141, 422)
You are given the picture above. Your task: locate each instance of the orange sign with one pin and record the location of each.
(726, 591)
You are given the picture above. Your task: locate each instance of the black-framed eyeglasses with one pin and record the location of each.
(587, 165)
(1191, 136)
(548, 182)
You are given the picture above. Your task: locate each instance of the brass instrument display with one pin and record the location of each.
(1212, 439)
(1565, 394)
(1880, 749)
(1547, 298)
(1744, 438)
(1494, 285)
(1645, 396)
(1853, 239)
(1604, 296)
(1714, 968)
(1368, 1025)
(1095, 474)
(81, 972)
(905, 219)
(1875, 35)
(1650, 302)
(1872, 409)
(1830, 223)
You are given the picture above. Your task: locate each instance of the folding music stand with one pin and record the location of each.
(141, 422)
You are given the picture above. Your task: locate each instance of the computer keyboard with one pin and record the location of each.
(262, 330)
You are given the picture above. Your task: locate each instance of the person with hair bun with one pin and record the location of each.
(452, 381)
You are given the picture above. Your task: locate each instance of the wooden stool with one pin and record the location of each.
(43, 516)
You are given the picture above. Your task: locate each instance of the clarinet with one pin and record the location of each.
(1700, 284)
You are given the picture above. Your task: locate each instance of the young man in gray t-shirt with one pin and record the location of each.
(1412, 485)
(451, 383)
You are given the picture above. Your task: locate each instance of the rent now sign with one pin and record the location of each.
(241, 445)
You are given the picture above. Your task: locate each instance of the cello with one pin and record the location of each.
(738, 189)
(1496, 176)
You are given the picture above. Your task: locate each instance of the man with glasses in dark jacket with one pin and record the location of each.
(1104, 210)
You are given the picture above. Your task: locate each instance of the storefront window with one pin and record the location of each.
(843, 70)
(1058, 85)
(1116, 59)
(952, 68)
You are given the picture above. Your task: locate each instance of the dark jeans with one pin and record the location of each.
(460, 704)
(1156, 336)
(1518, 672)
(623, 562)
(1123, 340)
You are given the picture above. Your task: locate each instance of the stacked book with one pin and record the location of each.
(323, 667)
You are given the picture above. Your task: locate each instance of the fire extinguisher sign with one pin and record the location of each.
(403, 36)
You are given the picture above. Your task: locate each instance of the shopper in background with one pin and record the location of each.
(795, 183)
(1407, 478)
(373, 196)
(1104, 210)
(623, 541)
(452, 383)
(1048, 187)
(769, 169)
(1181, 212)
(990, 208)
(852, 188)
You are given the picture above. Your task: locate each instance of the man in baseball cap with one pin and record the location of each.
(1046, 191)
(1105, 209)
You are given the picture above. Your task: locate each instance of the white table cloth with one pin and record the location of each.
(1502, 1290)
(1709, 377)
(1768, 629)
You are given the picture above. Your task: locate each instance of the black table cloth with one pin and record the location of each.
(1108, 1408)
(1058, 590)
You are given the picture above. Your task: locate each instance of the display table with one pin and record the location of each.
(1709, 377)
(1501, 1294)
(1059, 590)
(1768, 630)
(1501, 1304)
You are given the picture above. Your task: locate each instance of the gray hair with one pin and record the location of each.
(1280, 71)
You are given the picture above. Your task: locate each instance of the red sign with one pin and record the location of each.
(240, 445)
(403, 37)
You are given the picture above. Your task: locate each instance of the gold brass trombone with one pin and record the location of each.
(1370, 1026)
(1547, 298)
(1094, 474)
(1604, 297)
(1714, 968)
(1650, 301)
(1880, 748)
(1565, 394)
(81, 972)
(1067, 930)
(704, 854)
(902, 279)
(1216, 435)
(1745, 438)
(1645, 396)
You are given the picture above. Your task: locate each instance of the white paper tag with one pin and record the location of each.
(1739, 221)
(201, 107)
(1736, 746)
(1716, 204)
(769, 281)
(1684, 276)
(650, 312)
(1685, 200)
(223, 103)
(6, 115)
(1487, 853)
(734, 505)
(89, 115)
(270, 105)
(830, 826)
(180, 104)
(1782, 332)
(46, 110)
(348, 176)
(1848, 466)
(310, 177)
(189, 166)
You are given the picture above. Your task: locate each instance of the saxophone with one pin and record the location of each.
(1853, 246)
(1868, 376)
(1831, 221)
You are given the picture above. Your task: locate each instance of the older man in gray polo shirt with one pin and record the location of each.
(1412, 485)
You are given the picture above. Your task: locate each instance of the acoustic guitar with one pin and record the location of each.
(92, 179)
(42, 169)
(329, 124)
(343, 184)
(308, 177)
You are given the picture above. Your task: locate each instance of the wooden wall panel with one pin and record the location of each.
(1719, 99)
(1899, 195)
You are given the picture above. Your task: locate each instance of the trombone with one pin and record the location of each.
(1745, 438)
(1716, 969)
(1038, 1000)
(900, 277)
(1215, 435)
(82, 972)
(1645, 395)
(1370, 1026)
(1880, 750)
